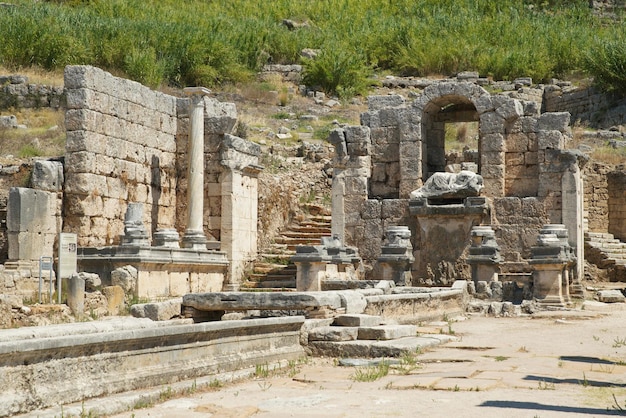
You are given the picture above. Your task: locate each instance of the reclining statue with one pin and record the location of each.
(450, 186)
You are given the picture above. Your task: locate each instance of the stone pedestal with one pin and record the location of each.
(442, 238)
(484, 254)
(331, 260)
(397, 256)
(549, 260)
(569, 271)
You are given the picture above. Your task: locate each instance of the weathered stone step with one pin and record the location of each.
(292, 242)
(599, 236)
(267, 268)
(373, 349)
(275, 285)
(386, 332)
(309, 229)
(357, 320)
(311, 235)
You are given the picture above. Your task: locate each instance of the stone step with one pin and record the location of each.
(292, 242)
(266, 268)
(331, 333)
(310, 229)
(599, 235)
(373, 349)
(310, 235)
(358, 320)
(387, 332)
(276, 285)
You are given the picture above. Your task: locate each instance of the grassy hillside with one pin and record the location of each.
(211, 42)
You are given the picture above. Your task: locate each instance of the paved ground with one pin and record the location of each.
(558, 364)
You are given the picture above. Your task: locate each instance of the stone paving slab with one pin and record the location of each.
(456, 384)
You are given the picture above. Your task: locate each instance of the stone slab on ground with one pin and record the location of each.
(358, 320)
(387, 332)
(157, 311)
(233, 301)
(368, 349)
(334, 334)
(611, 296)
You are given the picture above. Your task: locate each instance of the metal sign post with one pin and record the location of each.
(45, 263)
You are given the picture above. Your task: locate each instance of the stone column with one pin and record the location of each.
(194, 234)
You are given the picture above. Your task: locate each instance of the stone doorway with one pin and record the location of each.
(443, 123)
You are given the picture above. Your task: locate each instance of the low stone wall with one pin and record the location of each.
(47, 366)
(587, 105)
(414, 305)
(16, 92)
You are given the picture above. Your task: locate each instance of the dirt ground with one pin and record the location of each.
(554, 364)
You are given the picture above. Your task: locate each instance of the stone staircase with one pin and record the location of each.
(273, 269)
(369, 336)
(608, 253)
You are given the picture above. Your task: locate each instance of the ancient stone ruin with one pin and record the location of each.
(141, 166)
(392, 170)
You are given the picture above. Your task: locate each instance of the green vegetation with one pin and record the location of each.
(371, 373)
(215, 42)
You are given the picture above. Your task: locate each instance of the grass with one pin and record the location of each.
(46, 126)
(216, 43)
(371, 373)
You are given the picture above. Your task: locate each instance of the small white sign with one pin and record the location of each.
(67, 254)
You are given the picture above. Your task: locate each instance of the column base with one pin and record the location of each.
(194, 240)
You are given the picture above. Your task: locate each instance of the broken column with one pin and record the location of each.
(397, 256)
(484, 254)
(134, 230)
(194, 234)
(549, 259)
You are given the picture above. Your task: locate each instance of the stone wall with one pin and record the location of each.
(528, 175)
(587, 105)
(617, 203)
(16, 92)
(121, 148)
(607, 8)
(596, 196)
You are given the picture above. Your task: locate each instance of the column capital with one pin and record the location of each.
(196, 91)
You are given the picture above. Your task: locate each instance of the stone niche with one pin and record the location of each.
(528, 179)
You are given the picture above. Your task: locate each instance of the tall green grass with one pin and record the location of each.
(226, 41)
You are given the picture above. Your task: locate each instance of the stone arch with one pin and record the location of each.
(443, 103)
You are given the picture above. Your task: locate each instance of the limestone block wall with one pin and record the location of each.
(596, 196)
(17, 92)
(587, 105)
(617, 204)
(120, 148)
